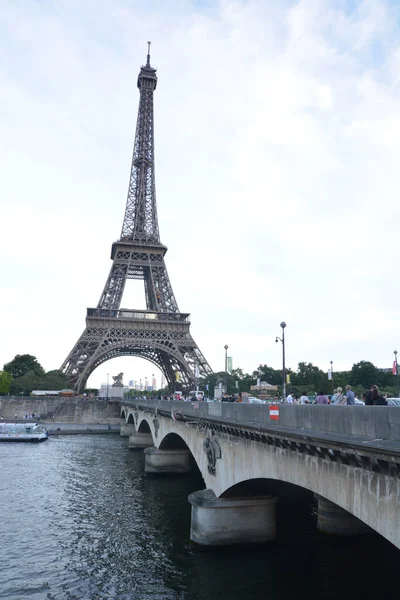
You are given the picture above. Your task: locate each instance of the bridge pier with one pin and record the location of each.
(334, 520)
(139, 441)
(126, 429)
(167, 461)
(230, 521)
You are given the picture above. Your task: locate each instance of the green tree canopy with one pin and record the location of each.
(55, 380)
(5, 381)
(26, 383)
(365, 374)
(268, 374)
(309, 376)
(23, 364)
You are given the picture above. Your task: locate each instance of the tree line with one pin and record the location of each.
(24, 373)
(307, 377)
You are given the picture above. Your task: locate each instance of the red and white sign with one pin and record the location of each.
(274, 412)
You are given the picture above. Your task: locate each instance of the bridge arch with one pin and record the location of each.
(130, 420)
(144, 427)
(122, 415)
(173, 441)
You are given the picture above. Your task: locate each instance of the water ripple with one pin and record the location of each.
(81, 521)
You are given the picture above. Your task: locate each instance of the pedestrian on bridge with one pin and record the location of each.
(304, 399)
(321, 398)
(374, 398)
(338, 397)
(350, 397)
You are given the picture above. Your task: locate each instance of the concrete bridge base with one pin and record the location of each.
(126, 430)
(139, 441)
(222, 522)
(334, 520)
(167, 461)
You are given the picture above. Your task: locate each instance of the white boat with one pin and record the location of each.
(22, 432)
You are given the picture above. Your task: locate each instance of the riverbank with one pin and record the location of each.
(54, 429)
(74, 411)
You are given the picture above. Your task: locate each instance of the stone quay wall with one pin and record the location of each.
(60, 410)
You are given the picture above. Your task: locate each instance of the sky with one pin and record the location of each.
(277, 137)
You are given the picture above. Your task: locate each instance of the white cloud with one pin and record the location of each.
(277, 135)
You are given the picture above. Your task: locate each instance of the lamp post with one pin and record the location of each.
(152, 384)
(226, 368)
(107, 387)
(397, 373)
(282, 339)
(333, 385)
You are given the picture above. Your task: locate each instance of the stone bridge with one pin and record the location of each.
(348, 456)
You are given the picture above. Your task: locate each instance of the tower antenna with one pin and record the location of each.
(148, 54)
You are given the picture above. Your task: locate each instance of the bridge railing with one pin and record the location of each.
(380, 423)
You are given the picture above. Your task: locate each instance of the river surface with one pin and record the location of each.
(80, 520)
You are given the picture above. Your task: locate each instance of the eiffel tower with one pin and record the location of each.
(160, 333)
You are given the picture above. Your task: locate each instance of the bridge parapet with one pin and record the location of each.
(379, 423)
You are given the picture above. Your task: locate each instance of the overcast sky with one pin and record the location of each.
(277, 129)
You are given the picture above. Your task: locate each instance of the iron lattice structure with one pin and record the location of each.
(160, 333)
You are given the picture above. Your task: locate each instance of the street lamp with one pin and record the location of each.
(152, 384)
(397, 373)
(107, 387)
(282, 339)
(333, 385)
(226, 368)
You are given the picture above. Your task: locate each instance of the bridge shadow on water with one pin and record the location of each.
(301, 563)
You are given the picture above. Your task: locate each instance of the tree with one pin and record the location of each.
(268, 374)
(365, 374)
(55, 380)
(26, 383)
(309, 377)
(23, 364)
(5, 381)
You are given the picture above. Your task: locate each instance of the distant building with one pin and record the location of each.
(63, 393)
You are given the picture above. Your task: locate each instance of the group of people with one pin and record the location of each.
(370, 398)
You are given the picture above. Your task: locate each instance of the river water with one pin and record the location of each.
(80, 520)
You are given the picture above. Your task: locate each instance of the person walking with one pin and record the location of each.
(350, 397)
(338, 397)
(321, 398)
(289, 399)
(304, 399)
(374, 398)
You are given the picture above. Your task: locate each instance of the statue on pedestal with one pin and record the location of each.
(118, 380)
(117, 388)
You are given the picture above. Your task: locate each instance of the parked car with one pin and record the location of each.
(252, 400)
(393, 401)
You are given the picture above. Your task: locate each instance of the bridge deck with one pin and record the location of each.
(374, 429)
